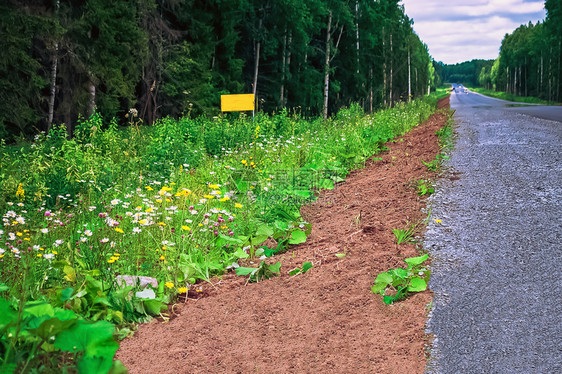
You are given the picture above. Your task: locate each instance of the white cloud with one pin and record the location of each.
(457, 31)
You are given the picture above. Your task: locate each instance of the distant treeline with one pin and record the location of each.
(467, 72)
(62, 59)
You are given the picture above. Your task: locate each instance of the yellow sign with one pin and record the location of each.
(237, 103)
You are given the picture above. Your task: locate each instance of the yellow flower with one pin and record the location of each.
(186, 228)
(169, 284)
(54, 252)
(209, 197)
(119, 230)
(161, 224)
(20, 193)
(149, 210)
(39, 254)
(19, 234)
(149, 188)
(214, 186)
(182, 290)
(158, 201)
(111, 260)
(161, 257)
(244, 162)
(26, 239)
(226, 198)
(437, 220)
(143, 221)
(238, 205)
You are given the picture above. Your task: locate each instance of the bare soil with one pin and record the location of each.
(326, 320)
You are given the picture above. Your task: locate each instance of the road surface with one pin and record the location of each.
(497, 269)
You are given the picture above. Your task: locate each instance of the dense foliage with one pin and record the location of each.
(171, 57)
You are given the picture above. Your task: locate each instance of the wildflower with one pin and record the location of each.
(20, 193)
(58, 242)
(226, 198)
(208, 197)
(119, 230)
(148, 188)
(182, 290)
(112, 244)
(238, 205)
(88, 233)
(169, 284)
(104, 240)
(437, 220)
(115, 201)
(49, 256)
(91, 208)
(214, 186)
(45, 230)
(186, 228)
(136, 230)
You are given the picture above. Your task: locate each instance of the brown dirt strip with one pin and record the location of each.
(325, 320)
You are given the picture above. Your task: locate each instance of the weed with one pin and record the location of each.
(424, 188)
(405, 235)
(396, 284)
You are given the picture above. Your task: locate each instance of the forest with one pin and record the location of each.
(63, 60)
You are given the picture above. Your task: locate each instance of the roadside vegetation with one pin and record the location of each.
(106, 228)
(509, 97)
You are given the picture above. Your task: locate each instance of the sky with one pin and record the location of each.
(462, 30)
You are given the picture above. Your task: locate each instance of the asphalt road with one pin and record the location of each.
(497, 269)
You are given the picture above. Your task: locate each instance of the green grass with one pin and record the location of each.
(510, 97)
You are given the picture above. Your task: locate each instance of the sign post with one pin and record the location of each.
(238, 103)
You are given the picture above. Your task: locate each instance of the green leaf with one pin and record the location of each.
(264, 230)
(244, 270)
(306, 266)
(94, 339)
(413, 261)
(95, 365)
(38, 308)
(340, 255)
(276, 267)
(153, 307)
(3, 287)
(297, 237)
(295, 271)
(51, 327)
(417, 285)
(378, 287)
(66, 294)
(384, 278)
(7, 314)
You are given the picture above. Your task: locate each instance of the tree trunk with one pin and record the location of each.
(390, 99)
(384, 68)
(327, 66)
(542, 71)
(283, 67)
(286, 63)
(357, 31)
(409, 77)
(257, 44)
(53, 88)
(92, 103)
(371, 90)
